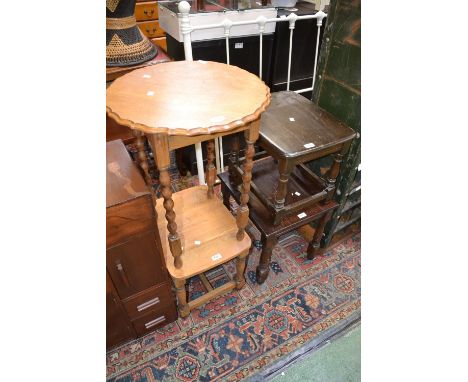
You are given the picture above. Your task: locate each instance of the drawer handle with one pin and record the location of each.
(122, 273)
(155, 322)
(148, 304)
(149, 32)
(150, 12)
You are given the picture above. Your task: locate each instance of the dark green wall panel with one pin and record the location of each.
(338, 88)
(342, 102)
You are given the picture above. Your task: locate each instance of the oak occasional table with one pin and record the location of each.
(286, 193)
(177, 104)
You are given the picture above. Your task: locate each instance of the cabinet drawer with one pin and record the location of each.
(146, 11)
(151, 29)
(136, 265)
(160, 42)
(153, 320)
(148, 300)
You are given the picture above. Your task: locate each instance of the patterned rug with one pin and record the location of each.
(239, 334)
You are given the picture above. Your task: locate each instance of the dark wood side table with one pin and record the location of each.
(286, 193)
(295, 131)
(261, 218)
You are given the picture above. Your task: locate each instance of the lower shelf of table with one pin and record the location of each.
(207, 231)
(261, 216)
(303, 187)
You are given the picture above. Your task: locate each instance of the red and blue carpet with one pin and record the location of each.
(243, 333)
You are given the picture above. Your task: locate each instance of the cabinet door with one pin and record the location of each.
(118, 327)
(136, 265)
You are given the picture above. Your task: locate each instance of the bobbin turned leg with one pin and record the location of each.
(210, 168)
(251, 135)
(160, 147)
(181, 293)
(314, 245)
(143, 163)
(331, 176)
(284, 167)
(263, 267)
(240, 268)
(141, 155)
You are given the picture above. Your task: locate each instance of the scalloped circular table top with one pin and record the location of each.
(187, 98)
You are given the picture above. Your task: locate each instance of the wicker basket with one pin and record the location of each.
(125, 44)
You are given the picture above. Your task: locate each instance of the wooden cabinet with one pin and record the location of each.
(139, 296)
(146, 14)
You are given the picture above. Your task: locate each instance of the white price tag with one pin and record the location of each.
(309, 145)
(238, 45)
(216, 256)
(197, 242)
(302, 215)
(297, 193)
(291, 119)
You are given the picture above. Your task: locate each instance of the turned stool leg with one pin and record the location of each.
(210, 169)
(240, 266)
(160, 147)
(251, 136)
(284, 168)
(331, 176)
(180, 161)
(233, 157)
(225, 192)
(181, 293)
(314, 245)
(263, 267)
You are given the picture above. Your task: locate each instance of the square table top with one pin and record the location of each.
(292, 126)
